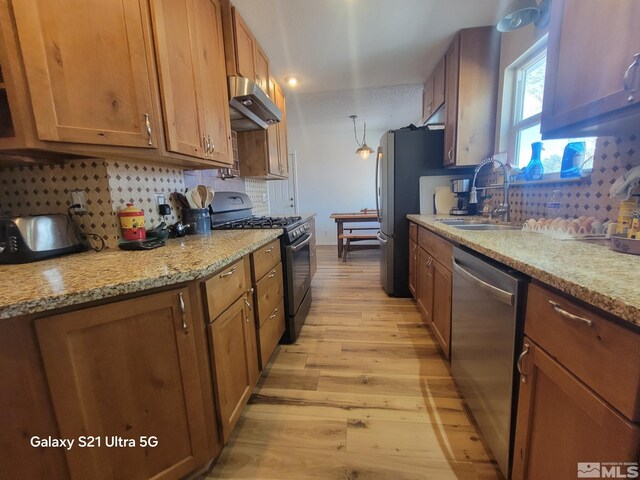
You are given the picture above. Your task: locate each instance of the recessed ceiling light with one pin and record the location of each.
(291, 81)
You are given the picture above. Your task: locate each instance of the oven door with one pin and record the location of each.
(298, 266)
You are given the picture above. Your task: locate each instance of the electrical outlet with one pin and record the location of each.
(79, 197)
(160, 200)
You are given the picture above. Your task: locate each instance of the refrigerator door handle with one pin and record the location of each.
(378, 156)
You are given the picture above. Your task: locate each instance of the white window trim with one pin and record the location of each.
(516, 100)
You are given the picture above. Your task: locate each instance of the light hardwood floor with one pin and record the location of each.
(363, 394)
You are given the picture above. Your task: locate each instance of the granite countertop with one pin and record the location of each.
(84, 277)
(590, 272)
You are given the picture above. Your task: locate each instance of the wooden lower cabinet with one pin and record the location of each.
(562, 422)
(424, 285)
(442, 290)
(413, 260)
(127, 369)
(234, 358)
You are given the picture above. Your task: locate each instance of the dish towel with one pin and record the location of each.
(625, 186)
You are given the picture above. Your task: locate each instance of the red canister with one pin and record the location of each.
(132, 223)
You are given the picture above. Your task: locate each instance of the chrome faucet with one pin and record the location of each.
(503, 208)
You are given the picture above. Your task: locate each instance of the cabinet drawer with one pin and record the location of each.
(224, 287)
(265, 258)
(270, 333)
(269, 293)
(436, 246)
(602, 354)
(413, 231)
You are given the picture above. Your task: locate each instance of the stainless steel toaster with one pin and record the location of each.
(27, 239)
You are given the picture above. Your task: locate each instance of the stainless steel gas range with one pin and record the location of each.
(232, 210)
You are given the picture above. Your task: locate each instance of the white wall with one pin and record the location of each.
(331, 177)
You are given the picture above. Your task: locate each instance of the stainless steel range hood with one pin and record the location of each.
(249, 106)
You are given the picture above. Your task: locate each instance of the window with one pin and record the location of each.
(528, 90)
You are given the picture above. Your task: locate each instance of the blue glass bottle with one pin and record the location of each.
(534, 169)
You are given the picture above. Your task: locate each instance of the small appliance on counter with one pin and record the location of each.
(132, 223)
(27, 239)
(461, 188)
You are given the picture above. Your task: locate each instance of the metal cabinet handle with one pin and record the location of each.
(246, 302)
(230, 272)
(272, 274)
(630, 77)
(212, 147)
(560, 311)
(269, 250)
(525, 351)
(147, 124)
(205, 146)
(274, 314)
(450, 154)
(183, 309)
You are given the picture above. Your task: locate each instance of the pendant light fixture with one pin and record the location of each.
(363, 150)
(523, 12)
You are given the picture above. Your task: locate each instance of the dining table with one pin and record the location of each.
(365, 215)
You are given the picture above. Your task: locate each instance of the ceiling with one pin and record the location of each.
(349, 44)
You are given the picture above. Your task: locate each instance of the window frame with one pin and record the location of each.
(519, 68)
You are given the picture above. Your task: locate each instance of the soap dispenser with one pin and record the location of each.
(535, 169)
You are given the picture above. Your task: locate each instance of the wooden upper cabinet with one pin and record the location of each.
(180, 86)
(591, 46)
(193, 80)
(88, 69)
(561, 422)
(439, 85)
(243, 47)
(283, 149)
(471, 91)
(427, 100)
(262, 69)
(215, 97)
(272, 139)
(452, 68)
(127, 369)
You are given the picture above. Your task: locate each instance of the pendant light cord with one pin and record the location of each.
(355, 133)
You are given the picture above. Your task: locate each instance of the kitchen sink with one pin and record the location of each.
(478, 225)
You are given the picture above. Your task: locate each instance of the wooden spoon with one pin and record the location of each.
(202, 191)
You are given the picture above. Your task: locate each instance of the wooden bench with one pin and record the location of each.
(354, 237)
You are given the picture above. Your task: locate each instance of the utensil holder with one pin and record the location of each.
(198, 221)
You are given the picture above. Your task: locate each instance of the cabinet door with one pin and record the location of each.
(424, 287)
(574, 92)
(283, 151)
(439, 85)
(561, 422)
(213, 78)
(88, 68)
(127, 369)
(452, 69)
(427, 100)
(272, 139)
(175, 42)
(235, 359)
(245, 65)
(442, 306)
(413, 259)
(262, 69)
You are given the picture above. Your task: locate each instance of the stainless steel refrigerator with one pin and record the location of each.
(403, 157)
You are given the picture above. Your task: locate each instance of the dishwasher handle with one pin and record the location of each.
(501, 295)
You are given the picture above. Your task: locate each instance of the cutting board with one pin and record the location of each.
(445, 200)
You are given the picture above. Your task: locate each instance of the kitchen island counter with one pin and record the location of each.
(590, 272)
(90, 276)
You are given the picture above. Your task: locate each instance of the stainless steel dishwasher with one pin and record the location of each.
(487, 321)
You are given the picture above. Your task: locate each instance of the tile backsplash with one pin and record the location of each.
(589, 197)
(109, 186)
